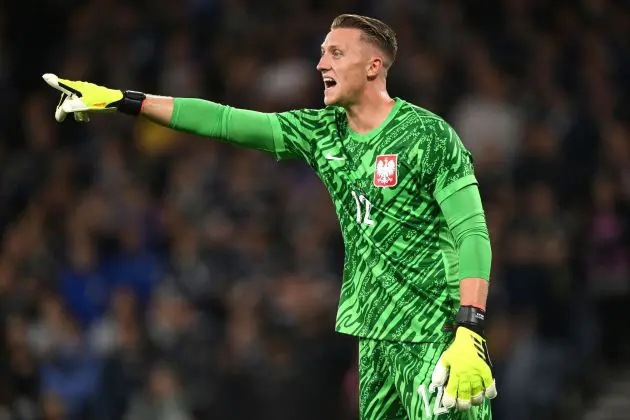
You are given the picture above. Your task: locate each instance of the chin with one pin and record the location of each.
(331, 99)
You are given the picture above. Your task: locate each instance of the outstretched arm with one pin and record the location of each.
(251, 129)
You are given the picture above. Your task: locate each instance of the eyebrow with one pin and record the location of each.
(330, 47)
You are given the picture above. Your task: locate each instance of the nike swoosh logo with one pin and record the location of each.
(331, 157)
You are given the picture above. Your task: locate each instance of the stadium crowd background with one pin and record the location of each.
(146, 274)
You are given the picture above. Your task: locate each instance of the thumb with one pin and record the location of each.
(440, 373)
(60, 114)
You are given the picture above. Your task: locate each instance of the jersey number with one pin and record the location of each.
(437, 406)
(363, 216)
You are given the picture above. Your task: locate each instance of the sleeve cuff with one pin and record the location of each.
(480, 274)
(175, 117)
(453, 187)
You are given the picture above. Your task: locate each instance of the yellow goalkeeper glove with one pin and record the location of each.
(464, 369)
(79, 98)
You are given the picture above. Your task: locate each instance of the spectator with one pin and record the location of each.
(161, 400)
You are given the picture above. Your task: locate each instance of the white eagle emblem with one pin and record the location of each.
(385, 170)
(386, 174)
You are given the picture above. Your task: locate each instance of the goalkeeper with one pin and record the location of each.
(417, 251)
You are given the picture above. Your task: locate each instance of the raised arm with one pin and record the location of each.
(246, 128)
(242, 127)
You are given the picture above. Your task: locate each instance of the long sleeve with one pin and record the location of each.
(246, 128)
(465, 217)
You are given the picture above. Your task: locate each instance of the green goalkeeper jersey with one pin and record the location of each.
(400, 279)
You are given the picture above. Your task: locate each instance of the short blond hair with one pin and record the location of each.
(374, 31)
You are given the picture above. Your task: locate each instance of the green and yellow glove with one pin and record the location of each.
(464, 369)
(79, 98)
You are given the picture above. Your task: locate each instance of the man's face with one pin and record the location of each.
(344, 65)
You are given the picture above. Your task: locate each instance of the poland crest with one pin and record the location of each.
(386, 171)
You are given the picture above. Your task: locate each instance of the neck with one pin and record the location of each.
(370, 111)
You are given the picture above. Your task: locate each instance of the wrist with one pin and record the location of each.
(131, 103)
(473, 291)
(471, 317)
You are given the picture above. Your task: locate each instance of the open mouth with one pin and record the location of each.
(328, 82)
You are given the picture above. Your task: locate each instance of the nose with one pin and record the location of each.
(323, 64)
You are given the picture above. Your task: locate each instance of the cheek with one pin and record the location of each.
(353, 77)
(358, 79)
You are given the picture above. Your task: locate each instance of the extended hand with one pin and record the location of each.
(79, 98)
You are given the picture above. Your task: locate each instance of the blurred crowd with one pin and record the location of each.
(149, 274)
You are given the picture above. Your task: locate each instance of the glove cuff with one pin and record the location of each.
(472, 318)
(131, 103)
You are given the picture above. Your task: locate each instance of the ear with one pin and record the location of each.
(375, 67)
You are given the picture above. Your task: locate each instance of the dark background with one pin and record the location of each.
(146, 274)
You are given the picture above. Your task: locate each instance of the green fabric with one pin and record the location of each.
(395, 379)
(465, 218)
(402, 261)
(401, 264)
(242, 127)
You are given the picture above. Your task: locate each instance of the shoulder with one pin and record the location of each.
(427, 122)
(307, 120)
(428, 132)
(433, 140)
(306, 125)
(310, 113)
